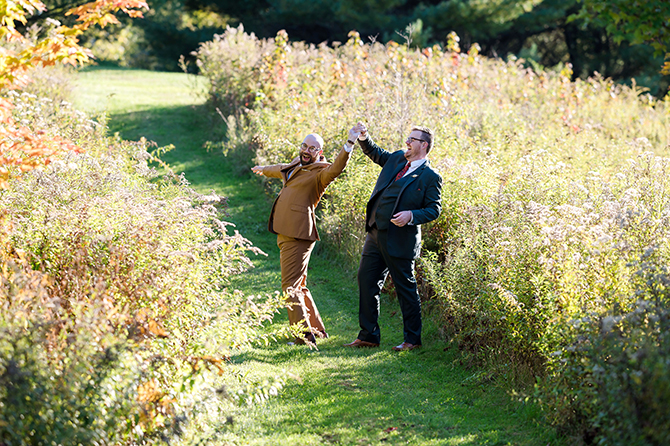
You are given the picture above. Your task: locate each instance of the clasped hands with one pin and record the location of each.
(359, 131)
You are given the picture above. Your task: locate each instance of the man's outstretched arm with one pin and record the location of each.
(273, 171)
(335, 169)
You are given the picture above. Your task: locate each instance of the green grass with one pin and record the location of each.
(343, 396)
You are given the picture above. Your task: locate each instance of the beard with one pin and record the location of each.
(307, 158)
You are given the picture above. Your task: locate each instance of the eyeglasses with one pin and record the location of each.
(410, 139)
(312, 149)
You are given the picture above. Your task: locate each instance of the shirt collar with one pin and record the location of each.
(417, 163)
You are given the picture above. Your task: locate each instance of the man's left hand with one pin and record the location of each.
(402, 218)
(353, 134)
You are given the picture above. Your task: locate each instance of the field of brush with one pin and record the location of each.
(131, 313)
(548, 262)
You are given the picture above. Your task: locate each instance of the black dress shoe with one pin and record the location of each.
(358, 343)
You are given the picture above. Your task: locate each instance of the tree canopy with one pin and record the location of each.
(633, 21)
(621, 39)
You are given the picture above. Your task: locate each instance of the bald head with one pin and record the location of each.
(311, 148)
(314, 140)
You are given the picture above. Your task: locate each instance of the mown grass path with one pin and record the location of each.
(347, 397)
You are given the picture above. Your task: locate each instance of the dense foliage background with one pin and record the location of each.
(621, 40)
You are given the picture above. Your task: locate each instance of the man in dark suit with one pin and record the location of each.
(407, 194)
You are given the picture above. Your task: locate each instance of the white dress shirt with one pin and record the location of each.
(412, 167)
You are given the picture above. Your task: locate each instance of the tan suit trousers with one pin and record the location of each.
(294, 257)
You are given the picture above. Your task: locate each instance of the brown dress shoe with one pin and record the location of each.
(358, 343)
(406, 346)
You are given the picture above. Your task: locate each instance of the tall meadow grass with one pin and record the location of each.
(556, 198)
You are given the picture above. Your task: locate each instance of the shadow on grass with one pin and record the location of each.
(375, 396)
(189, 129)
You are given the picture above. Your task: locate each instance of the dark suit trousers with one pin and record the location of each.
(375, 265)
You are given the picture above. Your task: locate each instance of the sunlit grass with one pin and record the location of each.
(115, 90)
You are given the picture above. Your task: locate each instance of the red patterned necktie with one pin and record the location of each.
(402, 172)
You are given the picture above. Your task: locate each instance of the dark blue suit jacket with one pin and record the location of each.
(421, 194)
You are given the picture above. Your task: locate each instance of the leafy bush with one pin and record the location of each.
(235, 64)
(114, 290)
(482, 110)
(65, 375)
(611, 378)
(542, 250)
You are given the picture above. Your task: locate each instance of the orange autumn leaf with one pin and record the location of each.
(23, 149)
(45, 52)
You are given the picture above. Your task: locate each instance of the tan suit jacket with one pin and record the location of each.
(292, 213)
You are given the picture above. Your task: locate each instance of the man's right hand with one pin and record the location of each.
(258, 170)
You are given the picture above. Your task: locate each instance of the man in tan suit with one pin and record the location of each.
(292, 218)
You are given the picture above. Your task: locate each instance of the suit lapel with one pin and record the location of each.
(295, 164)
(292, 173)
(388, 180)
(414, 175)
(409, 179)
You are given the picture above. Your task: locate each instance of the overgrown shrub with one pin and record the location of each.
(545, 248)
(233, 64)
(114, 292)
(66, 374)
(485, 112)
(611, 380)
